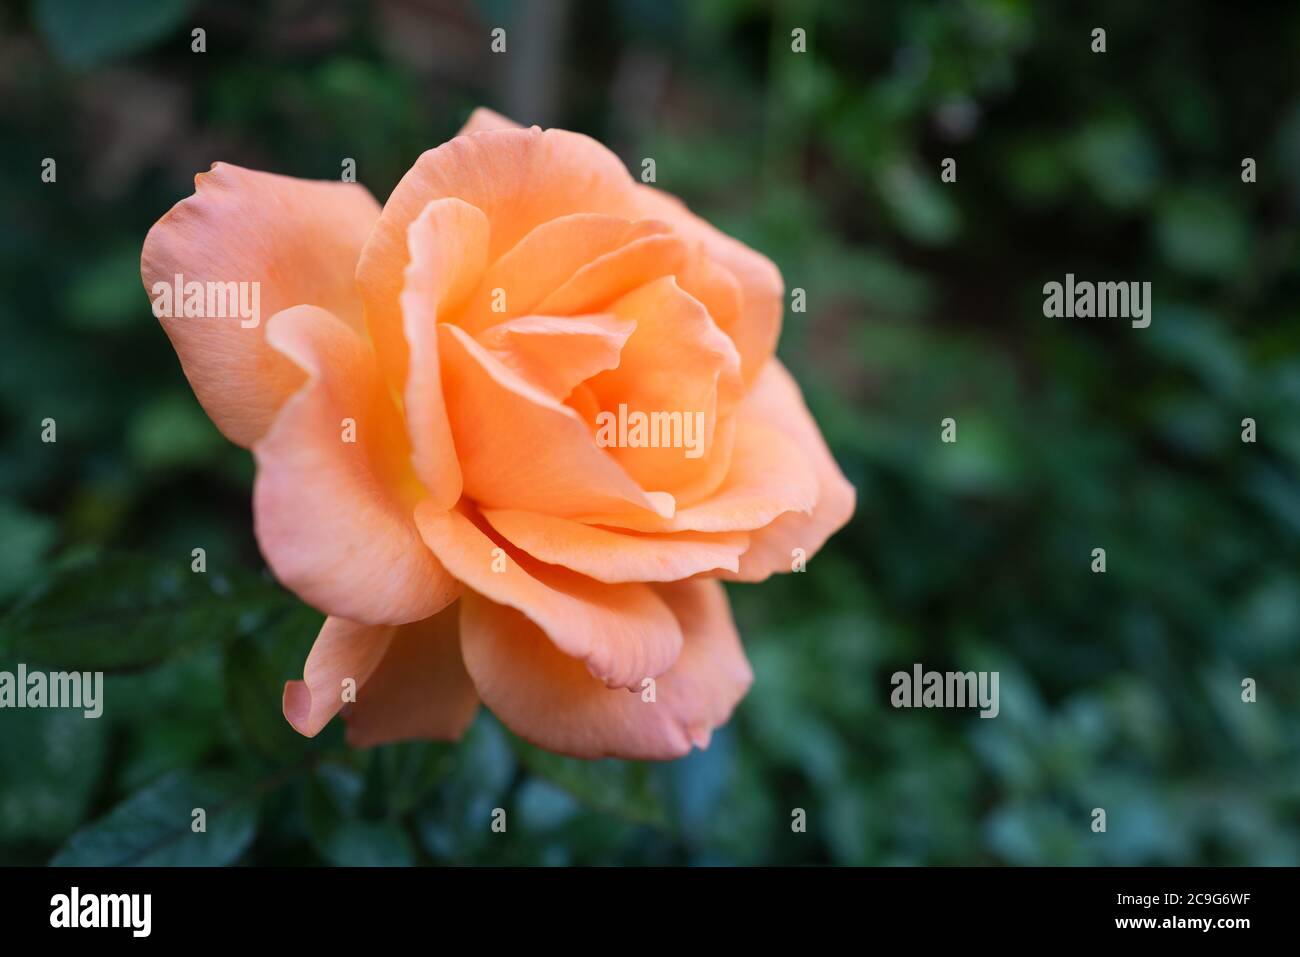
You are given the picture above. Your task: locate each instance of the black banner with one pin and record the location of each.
(334, 906)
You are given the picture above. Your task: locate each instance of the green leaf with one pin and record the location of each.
(122, 612)
(27, 537)
(341, 834)
(1118, 159)
(1202, 233)
(544, 806)
(171, 432)
(413, 769)
(1035, 835)
(985, 459)
(49, 766)
(456, 823)
(697, 785)
(104, 295)
(626, 789)
(256, 668)
(154, 827)
(360, 843)
(84, 33)
(922, 210)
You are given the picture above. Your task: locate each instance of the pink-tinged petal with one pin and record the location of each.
(342, 659)
(298, 240)
(334, 517)
(558, 353)
(448, 243)
(769, 475)
(712, 674)
(756, 330)
(550, 699)
(550, 256)
(420, 688)
(776, 398)
(611, 555)
(518, 178)
(677, 365)
(622, 633)
(521, 448)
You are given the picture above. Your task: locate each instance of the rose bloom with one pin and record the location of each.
(424, 402)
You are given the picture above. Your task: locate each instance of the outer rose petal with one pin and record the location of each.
(298, 239)
(776, 399)
(521, 448)
(610, 555)
(333, 518)
(448, 243)
(410, 681)
(624, 633)
(551, 700)
(343, 650)
(419, 690)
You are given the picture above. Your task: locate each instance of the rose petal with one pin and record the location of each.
(299, 240)
(333, 517)
(420, 688)
(623, 633)
(518, 178)
(605, 278)
(557, 353)
(448, 243)
(400, 681)
(768, 476)
(521, 448)
(550, 699)
(776, 398)
(610, 555)
(343, 651)
(756, 330)
(677, 364)
(758, 326)
(703, 484)
(548, 258)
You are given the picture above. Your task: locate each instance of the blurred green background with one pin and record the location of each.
(1120, 691)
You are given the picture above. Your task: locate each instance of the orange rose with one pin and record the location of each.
(509, 432)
